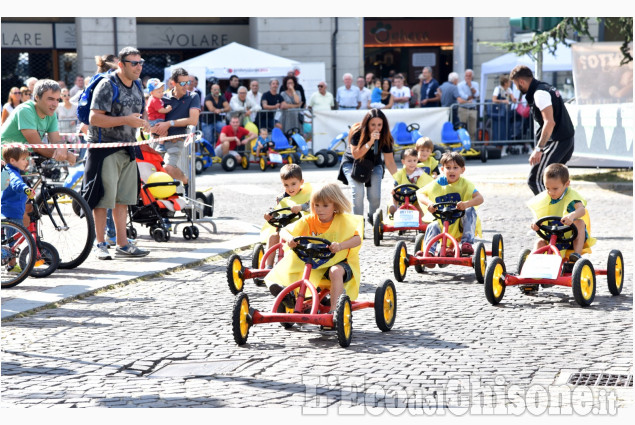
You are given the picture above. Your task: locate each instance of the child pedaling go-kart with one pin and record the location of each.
(318, 281)
(405, 213)
(291, 205)
(451, 199)
(564, 226)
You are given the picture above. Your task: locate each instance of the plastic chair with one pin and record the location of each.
(401, 135)
(280, 139)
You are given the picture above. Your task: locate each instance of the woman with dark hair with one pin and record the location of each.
(386, 97)
(15, 98)
(368, 140)
(105, 63)
(292, 100)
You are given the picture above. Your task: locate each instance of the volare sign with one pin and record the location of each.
(158, 36)
(30, 36)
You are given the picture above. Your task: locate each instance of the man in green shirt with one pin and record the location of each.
(31, 120)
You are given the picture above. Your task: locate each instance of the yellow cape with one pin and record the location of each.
(461, 190)
(541, 206)
(343, 227)
(429, 164)
(302, 197)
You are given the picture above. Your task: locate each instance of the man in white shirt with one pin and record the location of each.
(348, 95)
(364, 93)
(400, 93)
(240, 105)
(255, 97)
(78, 87)
(468, 90)
(321, 100)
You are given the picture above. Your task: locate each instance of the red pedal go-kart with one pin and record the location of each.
(580, 276)
(314, 251)
(446, 211)
(237, 274)
(403, 219)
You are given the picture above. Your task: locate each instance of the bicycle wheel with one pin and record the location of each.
(15, 239)
(67, 223)
(46, 262)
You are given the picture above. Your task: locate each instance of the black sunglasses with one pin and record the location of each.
(135, 63)
(184, 83)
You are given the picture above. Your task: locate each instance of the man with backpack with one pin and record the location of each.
(111, 178)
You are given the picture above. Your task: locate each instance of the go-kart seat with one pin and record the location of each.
(448, 134)
(401, 135)
(280, 139)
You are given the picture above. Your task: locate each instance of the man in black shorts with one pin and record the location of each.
(555, 135)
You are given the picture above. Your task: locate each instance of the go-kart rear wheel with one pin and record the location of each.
(241, 319)
(244, 162)
(283, 309)
(321, 159)
(378, 226)
(615, 272)
(256, 256)
(262, 163)
(419, 247)
(228, 162)
(235, 272)
(198, 166)
(495, 280)
(483, 154)
(385, 305)
(498, 246)
(400, 261)
(331, 158)
(437, 153)
(583, 282)
(479, 261)
(343, 318)
(521, 260)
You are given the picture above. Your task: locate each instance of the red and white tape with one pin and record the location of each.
(188, 140)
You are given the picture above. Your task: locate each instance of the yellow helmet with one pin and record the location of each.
(162, 191)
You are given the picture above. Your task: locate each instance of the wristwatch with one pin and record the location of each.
(171, 123)
(539, 148)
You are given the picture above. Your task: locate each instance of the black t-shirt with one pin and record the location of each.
(212, 118)
(354, 141)
(271, 99)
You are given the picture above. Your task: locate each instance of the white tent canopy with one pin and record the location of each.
(237, 59)
(504, 64)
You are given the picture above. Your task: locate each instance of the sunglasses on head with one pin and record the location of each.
(135, 63)
(185, 83)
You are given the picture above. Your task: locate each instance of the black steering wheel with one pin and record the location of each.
(546, 230)
(278, 220)
(313, 250)
(413, 126)
(290, 132)
(404, 191)
(447, 211)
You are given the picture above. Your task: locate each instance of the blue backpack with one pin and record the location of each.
(86, 98)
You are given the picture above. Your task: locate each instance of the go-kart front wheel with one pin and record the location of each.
(344, 320)
(378, 226)
(583, 282)
(419, 247)
(241, 319)
(385, 305)
(263, 163)
(495, 280)
(498, 246)
(400, 261)
(615, 272)
(331, 158)
(228, 162)
(321, 158)
(521, 260)
(283, 309)
(479, 262)
(235, 272)
(257, 254)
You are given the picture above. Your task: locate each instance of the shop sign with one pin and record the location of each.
(159, 36)
(408, 32)
(27, 36)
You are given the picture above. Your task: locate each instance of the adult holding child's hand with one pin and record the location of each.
(362, 166)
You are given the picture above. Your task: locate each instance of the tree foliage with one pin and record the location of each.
(547, 41)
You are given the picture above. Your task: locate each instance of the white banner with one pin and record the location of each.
(328, 124)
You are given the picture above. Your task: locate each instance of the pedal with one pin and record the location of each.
(529, 289)
(39, 262)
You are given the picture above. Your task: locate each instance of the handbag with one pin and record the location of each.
(362, 170)
(523, 110)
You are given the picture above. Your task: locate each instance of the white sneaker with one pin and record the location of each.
(101, 251)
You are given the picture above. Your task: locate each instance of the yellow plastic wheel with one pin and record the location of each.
(615, 272)
(241, 319)
(479, 262)
(344, 320)
(583, 282)
(495, 281)
(386, 305)
(235, 274)
(400, 261)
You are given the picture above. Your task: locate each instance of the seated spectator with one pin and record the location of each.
(241, 106)
(233, 139)
(213, 120)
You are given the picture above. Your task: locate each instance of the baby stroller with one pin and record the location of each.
(158, 201)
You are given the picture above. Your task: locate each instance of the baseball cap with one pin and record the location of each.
(153, 84)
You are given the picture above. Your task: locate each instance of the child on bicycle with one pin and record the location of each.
(410, 173)
(296, 196)
(452, 187)
(330, 219)
(429, 163)
(560, 200)
(14, 197)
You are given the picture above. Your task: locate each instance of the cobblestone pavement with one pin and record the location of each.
(167, 341)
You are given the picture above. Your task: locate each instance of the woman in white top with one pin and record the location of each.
(13, 101)
(67, 114)
(503, 93)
